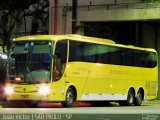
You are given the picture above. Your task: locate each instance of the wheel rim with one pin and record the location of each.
(69, 98)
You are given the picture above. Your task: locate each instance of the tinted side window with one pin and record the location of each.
(61, 50)
(150, 59)
(89, 52)
(138, 58)
(116, 55)
(103, 55)
(75, 51)
(127, 57)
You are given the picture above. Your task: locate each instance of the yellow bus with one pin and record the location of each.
(69, 68)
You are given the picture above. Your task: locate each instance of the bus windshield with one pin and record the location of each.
(30, 62)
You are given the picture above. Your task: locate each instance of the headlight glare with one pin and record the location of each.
(9, 90)
(44, 90)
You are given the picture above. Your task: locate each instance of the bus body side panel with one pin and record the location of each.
(145, 78)
(77, 74)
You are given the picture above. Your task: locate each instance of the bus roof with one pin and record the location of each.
(77, 37)
(60, 37)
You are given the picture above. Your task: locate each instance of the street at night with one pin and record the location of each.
(83, 111)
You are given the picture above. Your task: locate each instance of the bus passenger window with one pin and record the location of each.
(127, 57)
(89, 52)
(150, 60)
(76, 51)
(116, 55)
(102, 53)
(138, 60)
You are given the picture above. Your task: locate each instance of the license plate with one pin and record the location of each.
(24, 96)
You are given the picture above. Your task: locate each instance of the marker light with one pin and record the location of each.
(98, 64)
(44, 90)
(17, 79)
(9, 90)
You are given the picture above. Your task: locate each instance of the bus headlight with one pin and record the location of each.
(44, 90)
(9, 90)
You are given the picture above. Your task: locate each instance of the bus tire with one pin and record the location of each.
(138, 98)
(70, 98)
(130, 99)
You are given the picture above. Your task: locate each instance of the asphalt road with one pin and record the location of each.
(81, 111)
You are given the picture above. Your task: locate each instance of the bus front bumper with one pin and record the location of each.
(28, 96)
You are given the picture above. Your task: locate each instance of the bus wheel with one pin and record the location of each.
(130, 98)
(70, 97)
(138, 98)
